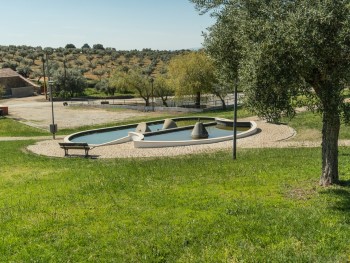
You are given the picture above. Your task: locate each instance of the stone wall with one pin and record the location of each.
(17, 87)
(22, 92)
(11, 82)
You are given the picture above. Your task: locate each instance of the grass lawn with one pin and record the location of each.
(309, 126)
(9, 127)
(264, 207)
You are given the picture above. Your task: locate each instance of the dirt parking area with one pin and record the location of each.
(36, 111)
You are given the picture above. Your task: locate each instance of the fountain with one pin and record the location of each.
(164, 133)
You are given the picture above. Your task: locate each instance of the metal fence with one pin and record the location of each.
(174, 104)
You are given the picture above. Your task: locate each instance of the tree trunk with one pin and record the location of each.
(146, 99)
(65, 75)
(223, 103)
(330, 134)
(198, 100)
(45, 86)
(164, 101)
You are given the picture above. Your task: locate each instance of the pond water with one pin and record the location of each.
(108, 135)
(101, 137)
(184, 135)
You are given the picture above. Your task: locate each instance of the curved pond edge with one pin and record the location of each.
(138, 141)
(117, 141)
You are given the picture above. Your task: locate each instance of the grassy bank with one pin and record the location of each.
(309, 126)
(266, 206)
(10, 127)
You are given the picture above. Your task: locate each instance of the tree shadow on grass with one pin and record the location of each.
(82, 156)
(342, 194)
(344, 183)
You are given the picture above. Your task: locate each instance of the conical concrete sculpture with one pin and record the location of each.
(169, 124)
(199, 131)
(142, 128)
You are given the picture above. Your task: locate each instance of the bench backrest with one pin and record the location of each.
(82, 144)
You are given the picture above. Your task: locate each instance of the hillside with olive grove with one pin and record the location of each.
(98, 71)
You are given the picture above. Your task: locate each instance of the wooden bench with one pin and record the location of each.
(75, 145)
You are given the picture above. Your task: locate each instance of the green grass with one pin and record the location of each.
(96, 93)
(83, 107)
(309, 126)
(241, 113)
(9, 127)
(264, 207)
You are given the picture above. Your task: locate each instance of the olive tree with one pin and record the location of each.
(288, 48)
(119, 80)
(132, 81)
(106, 87)
(191, 74)
(163, 89)
(140, 84)
(70, 46)
(69, 82)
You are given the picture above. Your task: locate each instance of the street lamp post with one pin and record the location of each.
(53, 126)
(152, 80)
(48, 72)
(235, 124)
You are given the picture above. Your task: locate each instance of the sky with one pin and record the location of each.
(120, 24)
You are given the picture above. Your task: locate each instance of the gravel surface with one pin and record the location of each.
(268, 135)
(36, 111)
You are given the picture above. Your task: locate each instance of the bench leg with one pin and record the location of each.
(66, 151)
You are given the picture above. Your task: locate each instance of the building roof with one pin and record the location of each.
(9, 73)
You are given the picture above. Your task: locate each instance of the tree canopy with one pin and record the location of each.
(86, 46)
(140, 84)
(98, 47)
(279, 50)
(191, 74)
(69, 83)
(70, 46)
(162, 89)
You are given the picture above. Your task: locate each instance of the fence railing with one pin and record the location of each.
(138, 103)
